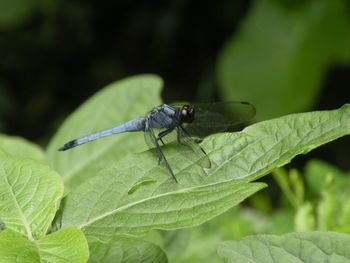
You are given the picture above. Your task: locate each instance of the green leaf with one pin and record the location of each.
(333, 186)
(18, 146)
(104, 205)
(175, 243)
(319, 174)
(278, 59)
(16, 248)
(304, 218)
(118, 102)
(294, 247)
(104, 209)
(29, 195)
(259, 148)
(125, 249)
(65, 246)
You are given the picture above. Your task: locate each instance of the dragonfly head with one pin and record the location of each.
(187, 114)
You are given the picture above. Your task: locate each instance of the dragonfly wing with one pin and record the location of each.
(186, 145)
(152, 143)
(196, 153)
(218, 117)
(149, 139)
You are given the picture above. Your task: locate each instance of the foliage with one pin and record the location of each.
(125, 249)
(282, 51)
(66, 245)
(127, 196)
(106, 108)
(295, 247)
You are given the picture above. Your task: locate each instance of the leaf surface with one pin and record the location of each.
(29, 195)
(125, 249)
(65, 246)
(294, 247)
(18, 146)
(118, 102)
(137, 194)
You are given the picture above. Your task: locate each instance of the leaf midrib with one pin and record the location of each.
(179, 191)
(299, 144)
(22, 216)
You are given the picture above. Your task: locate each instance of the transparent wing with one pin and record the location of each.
(149, 139)
(217, 117)
(196, 152)
(152, 142)
(185, 144)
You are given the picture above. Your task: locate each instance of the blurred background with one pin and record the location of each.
(283, 56)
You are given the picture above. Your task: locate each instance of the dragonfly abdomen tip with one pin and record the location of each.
(68, 145)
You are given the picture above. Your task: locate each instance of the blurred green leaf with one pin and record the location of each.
(125, 249)
(18, 146)
(67, 245)
(280, 222)
(330, 189)
(176, 242)
(333, 208)
(201, 194)
(294, 247)
(279, 57)
(326, 210)
(291, 185)
(319, 173)
(15, 12)
(203, 240)
(29, 195)
(304, 218)
(199, 244)
(118, 102)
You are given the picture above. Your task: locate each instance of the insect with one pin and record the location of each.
(190, 123)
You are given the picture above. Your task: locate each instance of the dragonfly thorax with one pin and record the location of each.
(163, 116)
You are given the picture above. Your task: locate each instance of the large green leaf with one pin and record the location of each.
(295, 247)
(264, 146)
(125, 249)
(65, 246)
(109, 209)
(279, 57)
(118, 102)
(137, 194)
(20, 147)
(29, 195)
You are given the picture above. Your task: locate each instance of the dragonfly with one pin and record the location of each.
(187, 124)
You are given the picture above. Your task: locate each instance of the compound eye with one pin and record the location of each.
(187, 114)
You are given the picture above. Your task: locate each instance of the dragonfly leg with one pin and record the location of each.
(178, 137)
(164, 133)
(161, 155)
(160, 139)
(186, 132)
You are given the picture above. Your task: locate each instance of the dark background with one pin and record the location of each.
(56, 54)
